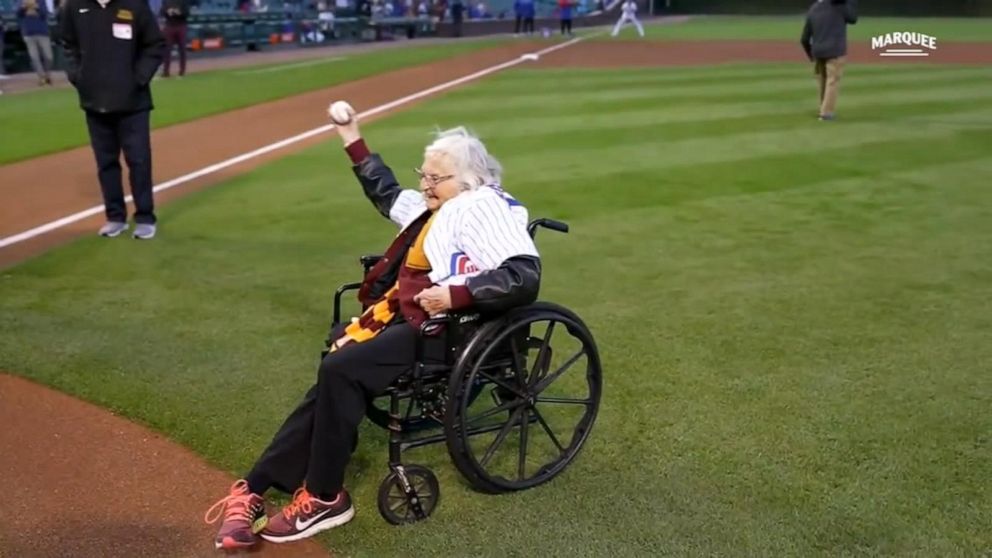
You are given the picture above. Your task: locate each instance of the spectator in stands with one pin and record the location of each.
(325, 19)
(3, 71)
(32, 18)
(565, 15)
(111, 57)
(176, 13)
(524, 10)
(457, 16)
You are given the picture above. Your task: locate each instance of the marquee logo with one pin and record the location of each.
(904, 44)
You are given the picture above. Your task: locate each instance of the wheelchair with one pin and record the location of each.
(527, 382)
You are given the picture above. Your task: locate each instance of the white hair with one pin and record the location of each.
(474, 166)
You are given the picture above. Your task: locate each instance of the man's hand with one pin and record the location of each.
(434, 300)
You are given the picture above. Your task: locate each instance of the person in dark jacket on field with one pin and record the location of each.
(113, 49)
(176, 14)
(825, 41)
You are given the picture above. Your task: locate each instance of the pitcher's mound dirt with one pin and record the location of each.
(79, 481)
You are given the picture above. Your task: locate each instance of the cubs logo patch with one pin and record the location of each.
(125, 15)
(460, 264)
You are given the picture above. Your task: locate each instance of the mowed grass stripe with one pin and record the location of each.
(522, 81)
(755, 91)
(700, 119)
(619, 187)
(560, 162)
(27, 121)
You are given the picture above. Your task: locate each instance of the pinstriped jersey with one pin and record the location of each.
(472, 232)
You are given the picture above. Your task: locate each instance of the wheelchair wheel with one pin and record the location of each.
(540, 369)
(408, 494)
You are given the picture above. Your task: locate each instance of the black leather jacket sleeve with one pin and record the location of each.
(378, 182)
(516, 282)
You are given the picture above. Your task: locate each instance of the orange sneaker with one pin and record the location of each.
(306, 516)
(244, 517)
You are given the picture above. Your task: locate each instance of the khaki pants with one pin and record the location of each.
(40, 51)
(828, 73)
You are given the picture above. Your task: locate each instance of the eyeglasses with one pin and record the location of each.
(432, 179)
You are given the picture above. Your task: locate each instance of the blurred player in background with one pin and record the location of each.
(628, 14)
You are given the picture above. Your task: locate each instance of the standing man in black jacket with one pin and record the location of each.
(825, 42)
(113, 48)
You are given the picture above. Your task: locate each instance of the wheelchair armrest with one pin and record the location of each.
(337, 300)
(430, 323)
(368, 261)
(425, 329)
(548, 224)
(453, 331)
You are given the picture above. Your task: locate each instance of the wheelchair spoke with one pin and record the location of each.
(524, 427)
(502, 384)
(564, 400)
(397, 506)
(500, 438)
(545, 345)
(508, 406)
(547, 429)
(517, 368)
(547, 381)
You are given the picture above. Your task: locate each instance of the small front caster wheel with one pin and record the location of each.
(408, 494)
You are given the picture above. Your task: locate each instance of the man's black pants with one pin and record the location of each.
(315, 442)
(128, 132)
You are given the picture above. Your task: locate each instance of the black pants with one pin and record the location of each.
(528, 25)
(566, 26)
(516, 27)
(315, 442)
(128, 132)
(175, 35)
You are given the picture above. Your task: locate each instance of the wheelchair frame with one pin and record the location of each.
(429, 387)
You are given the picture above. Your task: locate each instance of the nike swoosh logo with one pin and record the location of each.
(83, 10)
(304, 525)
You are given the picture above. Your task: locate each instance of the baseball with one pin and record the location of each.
(341, 112)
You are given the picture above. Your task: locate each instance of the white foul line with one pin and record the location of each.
(95, 210)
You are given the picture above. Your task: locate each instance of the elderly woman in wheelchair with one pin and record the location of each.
(449, 315)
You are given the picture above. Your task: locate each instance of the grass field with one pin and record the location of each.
(794, 316)
(200, 94)
(789, 28)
